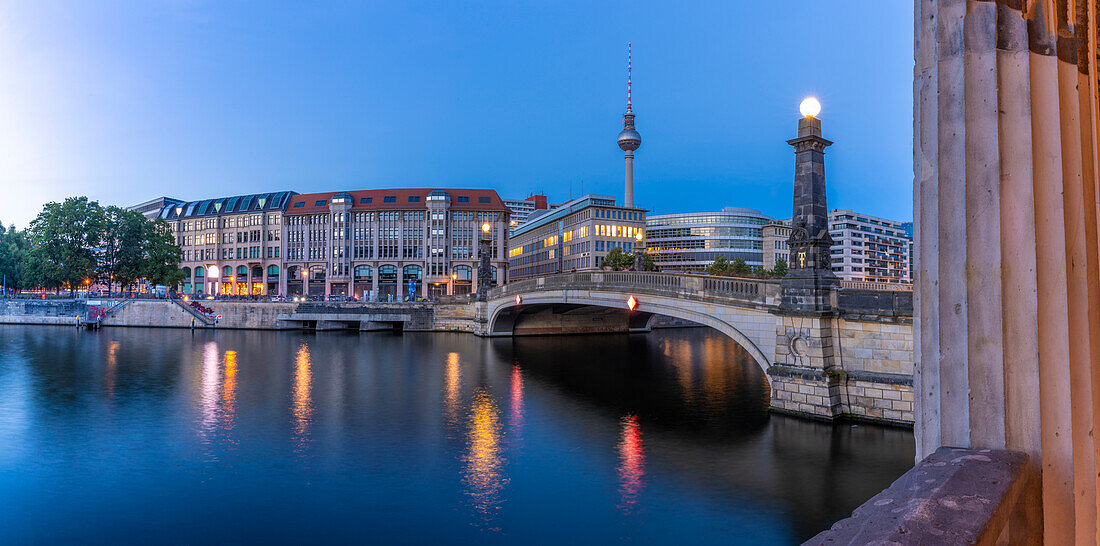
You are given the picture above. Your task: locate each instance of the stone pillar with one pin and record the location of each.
(808, 283)
(1007, 319)
(484, 273)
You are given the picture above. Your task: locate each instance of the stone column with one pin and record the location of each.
(484, 273)
(1008, 287)
(810, 278)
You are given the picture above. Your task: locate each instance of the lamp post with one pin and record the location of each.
(484, 275)
(639, 252)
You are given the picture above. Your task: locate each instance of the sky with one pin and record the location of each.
(125, 101)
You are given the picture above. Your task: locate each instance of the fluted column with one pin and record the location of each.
(1008, 286)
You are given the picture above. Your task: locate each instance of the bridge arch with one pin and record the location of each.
(753, 329)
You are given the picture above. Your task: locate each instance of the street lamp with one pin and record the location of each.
(810, 107)
(639, 258)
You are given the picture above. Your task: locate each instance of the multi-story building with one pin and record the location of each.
(151, 208)
(522, 208)
(775, 236)
(691, 241)
(867, 248)
(574, 236)
(390, 244)
(231, 245)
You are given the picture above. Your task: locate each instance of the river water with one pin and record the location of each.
(134, 435)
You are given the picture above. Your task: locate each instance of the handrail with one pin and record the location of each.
(883, 286)
(672, 283)
(206, 320)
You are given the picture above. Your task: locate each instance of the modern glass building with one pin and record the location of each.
(691, 241)
(574, 236)
(387, 244)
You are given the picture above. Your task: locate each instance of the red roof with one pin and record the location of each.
(377, 200)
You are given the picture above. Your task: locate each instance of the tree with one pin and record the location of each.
(781, 268)
(721, 266)
(647, 263)
(63, 239)
(618, 259)
(162, 255)
(739, 267)
(13, 257)
(129, 239)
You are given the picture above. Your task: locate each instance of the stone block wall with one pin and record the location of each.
(41, 311)
(876, 345)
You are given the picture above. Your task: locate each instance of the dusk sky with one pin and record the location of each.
(126, 101)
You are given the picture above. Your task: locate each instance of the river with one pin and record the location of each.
(146, 435)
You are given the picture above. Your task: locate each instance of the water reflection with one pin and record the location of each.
(111, 368)
(484, 472)
(229, 390)
(452, 391)
(515, 416)
(303, 401)
(631, 463)
(208, 392)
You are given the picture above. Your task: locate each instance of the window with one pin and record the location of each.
(389, 199)
(299, 204)
(414, 198)
(463, 199)
(482, 199)
(365, 200)
(319, 203)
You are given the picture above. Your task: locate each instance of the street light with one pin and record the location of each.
(486, 227)
(810, 107)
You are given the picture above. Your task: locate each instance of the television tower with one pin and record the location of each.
(629, 139)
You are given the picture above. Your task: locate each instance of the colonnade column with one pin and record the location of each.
(1007, 315)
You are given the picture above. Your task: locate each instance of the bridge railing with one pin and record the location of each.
(672, 283)
(882, 286)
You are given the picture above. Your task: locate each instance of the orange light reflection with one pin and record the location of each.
(484, 473)
(631, 463)
(303, 403)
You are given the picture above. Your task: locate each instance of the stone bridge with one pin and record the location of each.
(854, 361)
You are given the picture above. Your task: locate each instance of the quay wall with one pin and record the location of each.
(19, 311)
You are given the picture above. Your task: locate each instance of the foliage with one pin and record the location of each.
(71, 243)
(13, 256)
(63, 238)
(739, 267)
(781, 268)
(617, 259)
(647, 263)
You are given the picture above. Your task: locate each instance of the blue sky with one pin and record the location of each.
(126, 101)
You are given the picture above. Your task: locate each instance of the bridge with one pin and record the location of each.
(854, 361)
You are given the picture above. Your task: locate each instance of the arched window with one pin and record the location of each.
(363, 273)
(187, 273)
(412, 273)
(387, 273)
(293, 273)
(272, 271)
(317, 273)
(463, 273)
(257, 272)
(200, 272)
(242, 271)
(227, 272)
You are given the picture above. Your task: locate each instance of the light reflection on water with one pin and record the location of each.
(422, 438)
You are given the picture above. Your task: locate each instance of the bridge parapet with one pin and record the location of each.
(758, 291)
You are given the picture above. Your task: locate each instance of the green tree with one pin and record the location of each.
(781, 268)
(647, 263)
(618, 259)
(13, 257)
(63, 239)
(162, 255)
(739, 267)
(129, 234)
(721, 266)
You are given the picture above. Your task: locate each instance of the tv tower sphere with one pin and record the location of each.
(629, 139)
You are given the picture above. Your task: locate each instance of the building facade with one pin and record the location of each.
(868, 248)
(391, 244)
(231, 245)
(576, 235)
(691, 241)
(774, 237)
(151, 209)
(521, 210)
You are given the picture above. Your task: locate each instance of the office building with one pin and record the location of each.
(230, 245)
(393, 243)
(774, 236)
(691, 241)
(868, 248)
(521, 209)
(576, 235)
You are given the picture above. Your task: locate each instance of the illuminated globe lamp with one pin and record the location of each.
(810, 107)
(639, 258)
(810, 124)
